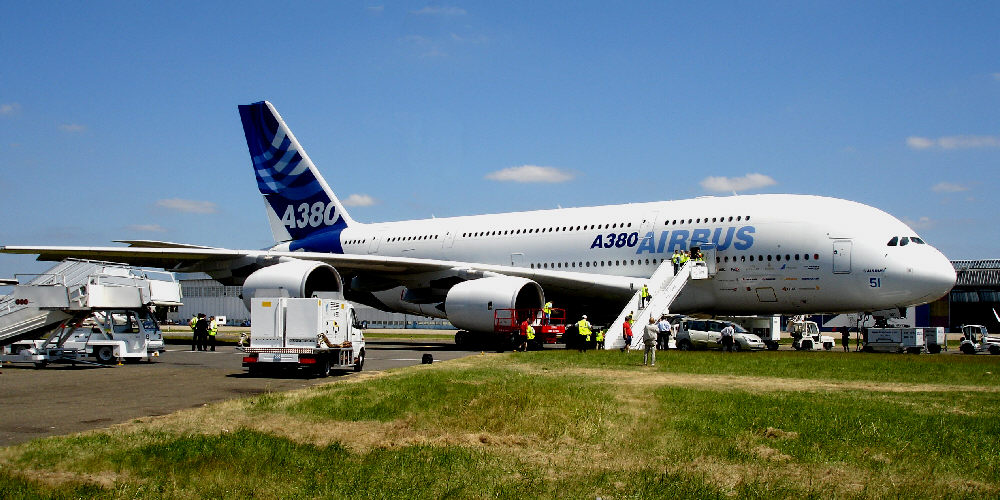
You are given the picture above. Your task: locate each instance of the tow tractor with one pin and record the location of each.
(807, 337)
(975, 339)
(315, 334)
(507, 325)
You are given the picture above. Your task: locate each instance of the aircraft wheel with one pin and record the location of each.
(105, 354)
(359, 364)
(461, 338)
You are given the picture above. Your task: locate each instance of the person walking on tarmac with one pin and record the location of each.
(584, 328)
(200, 333)
(643, 296)
(599, 339)
(845, 338)
(627, 333)
(194, 333)
(213, 330)
(663, 337)
(649, 342)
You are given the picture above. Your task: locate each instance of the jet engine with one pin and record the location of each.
(470, 305)
(300, 278)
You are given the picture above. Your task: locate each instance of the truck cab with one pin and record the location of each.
(975, 339)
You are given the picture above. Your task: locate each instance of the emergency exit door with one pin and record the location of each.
(842, 256)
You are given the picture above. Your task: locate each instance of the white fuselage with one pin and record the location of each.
(774, 253)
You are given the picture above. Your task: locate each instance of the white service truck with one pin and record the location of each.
(316, 334)
(975, 339)
(909, 340)
(807, 337)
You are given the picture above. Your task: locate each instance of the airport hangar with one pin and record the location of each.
(972, 301)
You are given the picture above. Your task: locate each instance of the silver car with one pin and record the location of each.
(707, 334)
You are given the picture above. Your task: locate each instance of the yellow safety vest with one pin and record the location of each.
(194, 321)
(584, 326)
(547, 309)
(213, 328)
(676, 259)
(684, 258)
(600, 335)
(530, 332)
(645, 291)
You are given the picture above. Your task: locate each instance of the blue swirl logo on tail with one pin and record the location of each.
(289, 182)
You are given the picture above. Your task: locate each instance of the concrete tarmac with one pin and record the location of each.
(62, 399)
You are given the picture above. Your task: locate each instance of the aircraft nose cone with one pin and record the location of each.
(937, 276)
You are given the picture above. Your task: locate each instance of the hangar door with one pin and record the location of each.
(842, 256)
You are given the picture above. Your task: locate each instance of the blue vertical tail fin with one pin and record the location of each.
(300, 204)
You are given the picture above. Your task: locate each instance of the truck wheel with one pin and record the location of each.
(685, 345)
(828, 346)
(323, 367)
(968, 349)
(805, 345)
(995, 349)
(867, 348)
(105, 354)
(360, 362)
(934, 348)
(460, 338)
(255, 370)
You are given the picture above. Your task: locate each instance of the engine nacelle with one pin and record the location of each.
(300, 278)
(470, 305)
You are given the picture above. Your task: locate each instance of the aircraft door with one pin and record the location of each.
(842, 256)
(517, 259)
(708, 251)
(376, 242)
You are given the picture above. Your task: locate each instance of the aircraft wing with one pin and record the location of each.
(190, 258)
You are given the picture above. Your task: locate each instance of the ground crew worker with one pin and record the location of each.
(200, 332)
(584, 328)
(194, 335)
(685, 257)
(649, 342)
(644, 296)
(525, 328)
(547, 311)
(530, 334)
(213, 330)
(600, 339)
(627, 333)
(675, 259)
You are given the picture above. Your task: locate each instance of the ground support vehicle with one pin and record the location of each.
(315, 334)
(909, 340)
(707, 334)
(935, 339)
(768, 328)
(975, 339)
(507, 326)
(807, 337)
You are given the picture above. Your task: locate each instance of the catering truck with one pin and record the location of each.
(315, 334)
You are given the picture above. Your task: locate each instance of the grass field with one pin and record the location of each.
(557, 424)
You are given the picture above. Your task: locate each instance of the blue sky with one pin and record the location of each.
(118, 120)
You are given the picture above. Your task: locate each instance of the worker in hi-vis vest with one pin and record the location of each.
(547, 311)
(584, 328)
(194, 320)
(213, 330)
(644, 296)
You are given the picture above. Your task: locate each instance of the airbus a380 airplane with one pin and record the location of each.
(774, 253)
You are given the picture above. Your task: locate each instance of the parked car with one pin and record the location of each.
(707, 334)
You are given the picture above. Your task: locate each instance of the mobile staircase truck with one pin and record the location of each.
(315, 334)
(86, 312)
(975, 339)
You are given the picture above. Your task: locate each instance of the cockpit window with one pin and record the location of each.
(893, 241)
(917, 240)
(904, 241)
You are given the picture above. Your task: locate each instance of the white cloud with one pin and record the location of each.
(948, 187)
(73, 128)
(530, 173)
(921, 223)
(358, 200)
(9, 108)
(149, 228)
(439, 11)
(954, 142)
(732, 184)
(190, 206)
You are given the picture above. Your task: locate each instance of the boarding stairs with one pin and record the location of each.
(664, 287)
(76, 288)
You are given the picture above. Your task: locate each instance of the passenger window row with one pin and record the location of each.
(596, 263)
(554, 229)
(769, 258)
(413, 238)
(738, 218)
